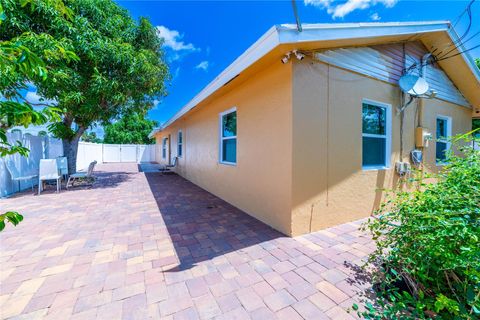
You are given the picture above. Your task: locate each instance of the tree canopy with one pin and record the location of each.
(91, 137)
(18, 66)
(120, 66)
(132, 128)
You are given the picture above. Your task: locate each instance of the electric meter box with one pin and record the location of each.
(421, 137)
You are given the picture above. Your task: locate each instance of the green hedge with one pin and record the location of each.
(427, 261)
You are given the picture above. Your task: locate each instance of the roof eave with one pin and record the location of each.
(325, 32)
(288, 34)
(152, 134)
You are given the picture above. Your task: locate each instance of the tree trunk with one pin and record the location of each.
(70, 149)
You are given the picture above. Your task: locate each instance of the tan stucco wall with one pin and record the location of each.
(299, 144)
(328, 184)
(260, 183)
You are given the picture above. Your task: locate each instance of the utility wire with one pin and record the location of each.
(457, 20)
(456, 43)
(297, 18)
(458, 53)
(462, 44)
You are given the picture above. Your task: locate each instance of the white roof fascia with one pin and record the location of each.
(288, 34)
(154, 131)
(324, 32)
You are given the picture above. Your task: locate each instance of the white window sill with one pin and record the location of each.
(375, 168)
(233, 164)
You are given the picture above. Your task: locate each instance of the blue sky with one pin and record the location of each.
(202, 38)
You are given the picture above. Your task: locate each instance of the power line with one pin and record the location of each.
(468, 10)
(462, 44)
(458, 53)
(297, 18)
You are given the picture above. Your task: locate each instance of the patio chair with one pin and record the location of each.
(48, 171)
(83, 176)
(16, 174)
(168, 167)
(62, 164)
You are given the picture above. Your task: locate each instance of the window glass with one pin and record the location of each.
(441, 128)
(180, 144)
(374, 119)
(228, 138)
(229, 124)
(442, 134)
(374, 136)
(229, 148)
(164, 148)
(440, 152)
(373, 151)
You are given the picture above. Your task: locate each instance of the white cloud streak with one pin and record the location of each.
(375, 17)
(173, 40)
(203, 65)
(346, 7)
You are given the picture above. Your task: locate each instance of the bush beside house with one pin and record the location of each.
(427, 259)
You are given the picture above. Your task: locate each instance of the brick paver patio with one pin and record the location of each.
(151, 246)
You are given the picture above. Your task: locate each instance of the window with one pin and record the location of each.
(443, 132)
(376, 122)
(164, 148)
(179, 144)
(228, 136)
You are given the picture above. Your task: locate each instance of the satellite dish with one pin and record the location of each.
(413, 85)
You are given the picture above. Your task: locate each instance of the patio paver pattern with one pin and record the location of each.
(151, 246)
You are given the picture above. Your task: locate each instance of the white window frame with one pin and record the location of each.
(449, 134)
(387, 135)
(164, 148)
(179, 144)
(222, 138)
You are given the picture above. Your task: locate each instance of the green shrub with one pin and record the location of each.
(427, 261)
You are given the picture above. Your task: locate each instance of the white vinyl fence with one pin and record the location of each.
(105, 153)
(47, 147)
(40, 148)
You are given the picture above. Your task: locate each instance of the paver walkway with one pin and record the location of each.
(151, 246)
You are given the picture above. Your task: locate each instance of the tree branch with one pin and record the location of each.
(36, 104)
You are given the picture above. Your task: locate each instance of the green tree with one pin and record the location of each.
(91, 137)
(120, 68)
(131, 128)
(18, 66)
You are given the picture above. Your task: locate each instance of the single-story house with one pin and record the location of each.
(304, 128)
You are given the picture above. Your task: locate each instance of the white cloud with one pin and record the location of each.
(346, 7)
(203, 65)
(155, 104)
(176, 74)
(319, 3)
(35, 99)
(173, 40)
(375, 17)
